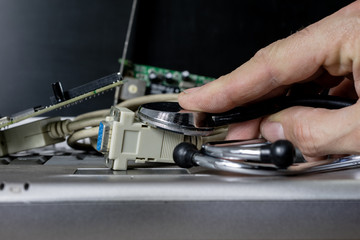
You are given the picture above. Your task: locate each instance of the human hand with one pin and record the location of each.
(322, 56)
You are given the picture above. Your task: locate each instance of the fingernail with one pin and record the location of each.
(190, 90)
(272, 131)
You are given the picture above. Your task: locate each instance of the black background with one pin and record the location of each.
(78, 41)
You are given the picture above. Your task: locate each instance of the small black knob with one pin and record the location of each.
(281, 153)
(58, 92)
(183, 155)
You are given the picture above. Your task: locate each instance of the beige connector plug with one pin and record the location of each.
(27, 136)
(121, 138)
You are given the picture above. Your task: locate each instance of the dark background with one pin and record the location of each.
(44, 41)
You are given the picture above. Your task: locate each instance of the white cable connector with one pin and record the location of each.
(121, 138)
(28, 136)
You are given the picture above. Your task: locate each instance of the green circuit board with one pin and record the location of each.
(153, 80)
(162, 76)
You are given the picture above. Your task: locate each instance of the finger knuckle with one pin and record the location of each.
(306, 137)
(265, 56)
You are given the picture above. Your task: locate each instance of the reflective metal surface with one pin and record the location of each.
(75, 196)
(235, 150)
(170, 116)
(268, 169)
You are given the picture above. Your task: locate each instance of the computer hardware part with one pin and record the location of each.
(161, 80)
(61, 96)
(121, 138)
(132, 88)
(66, 98)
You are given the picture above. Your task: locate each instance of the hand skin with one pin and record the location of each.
(325, 54)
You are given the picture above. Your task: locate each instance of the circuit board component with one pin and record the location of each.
(159, 80)
(63, 98)
(60, 95)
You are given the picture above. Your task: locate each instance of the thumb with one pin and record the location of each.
(316, 131)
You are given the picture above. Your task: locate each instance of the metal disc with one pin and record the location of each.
(170, 116)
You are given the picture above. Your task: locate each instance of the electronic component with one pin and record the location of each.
(186, 82)
(60, 95)
(170, 80)
(161, 80)
(155, 78)
(121, 138)
(162, 89)
(66, 98)
(132, 88)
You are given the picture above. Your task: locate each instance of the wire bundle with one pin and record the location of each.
(83, 130)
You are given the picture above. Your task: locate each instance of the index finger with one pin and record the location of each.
(300, 57)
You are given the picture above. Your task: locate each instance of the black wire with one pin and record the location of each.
(270, 106)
